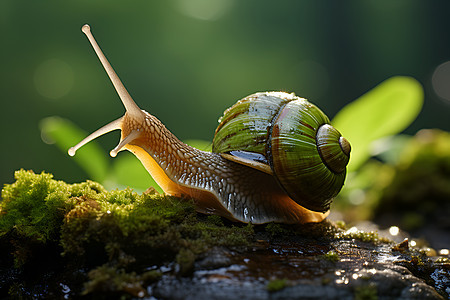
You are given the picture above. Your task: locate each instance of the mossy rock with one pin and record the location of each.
(79, 240)
(105, 231)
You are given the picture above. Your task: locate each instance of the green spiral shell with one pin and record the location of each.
(307, 156)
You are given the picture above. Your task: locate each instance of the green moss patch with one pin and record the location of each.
(276, 285)
(118, 235)
(331, 256)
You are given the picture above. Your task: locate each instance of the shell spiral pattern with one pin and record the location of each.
(294, 138)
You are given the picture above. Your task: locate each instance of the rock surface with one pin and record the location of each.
(305, 269)
(80, 241)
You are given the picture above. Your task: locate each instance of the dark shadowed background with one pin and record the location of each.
(185, 61)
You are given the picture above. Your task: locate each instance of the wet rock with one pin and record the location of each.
(214, 259)
(364, 271)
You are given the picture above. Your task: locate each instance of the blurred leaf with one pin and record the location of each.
(128, 171)
(65, 134)
(385, 110)
(389, 149)
(199, 144)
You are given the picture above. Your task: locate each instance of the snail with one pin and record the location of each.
(275, 157)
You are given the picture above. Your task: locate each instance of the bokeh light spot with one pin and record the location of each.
(444, 252)
(441, 81)
(394, 230)
(53, 79)
(204, 9)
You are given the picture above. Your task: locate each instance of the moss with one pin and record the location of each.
(275, 229)
(276, 285)
(185, 260)
(366, 292)
(105, 281)
(324, 229)
(113, 233)
(34, 206)
(368, 237)
(206, 233)
(150, 229)
(32, 210)
(341, 225)
(331, 256)
(215, 220)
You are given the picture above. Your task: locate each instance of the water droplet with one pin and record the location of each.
(394, 230)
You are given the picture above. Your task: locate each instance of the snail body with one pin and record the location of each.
(240, 179)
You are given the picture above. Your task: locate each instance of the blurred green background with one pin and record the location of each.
(185, 61)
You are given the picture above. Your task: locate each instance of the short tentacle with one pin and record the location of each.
(114, 125)
(132, 136)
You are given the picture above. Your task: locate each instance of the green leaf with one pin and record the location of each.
(386, 110)
(199, 144)
(65, 134)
